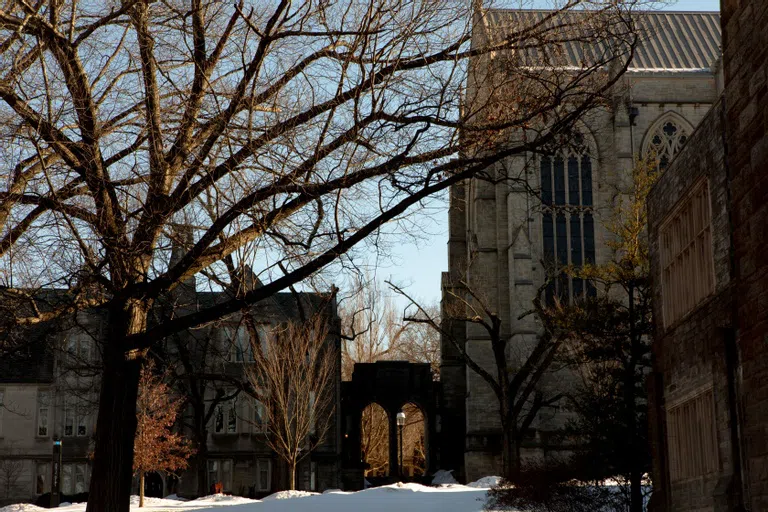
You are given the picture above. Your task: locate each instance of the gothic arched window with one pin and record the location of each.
(665, 139)
(568, 223)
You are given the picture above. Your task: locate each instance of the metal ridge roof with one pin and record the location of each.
(669, 40)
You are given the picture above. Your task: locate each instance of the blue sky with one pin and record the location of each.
(418, 264)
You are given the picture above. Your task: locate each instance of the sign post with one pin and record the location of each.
(56, 473)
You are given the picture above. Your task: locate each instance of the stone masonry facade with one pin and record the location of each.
(496, 247)
(723, 342)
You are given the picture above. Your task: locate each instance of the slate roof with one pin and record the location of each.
(669, 41)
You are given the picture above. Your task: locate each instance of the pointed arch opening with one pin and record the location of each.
(374, 440)
(414, 441)
(665, 138)
(567, 172)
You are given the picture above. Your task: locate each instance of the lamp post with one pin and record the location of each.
(401, 424)
(56, 473)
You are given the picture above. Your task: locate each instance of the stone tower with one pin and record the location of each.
(500, 235)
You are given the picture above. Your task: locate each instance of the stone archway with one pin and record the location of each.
(153, 485)
(374, 440)
(391, 385)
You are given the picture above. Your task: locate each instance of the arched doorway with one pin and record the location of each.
(413, 441)
(374, 440)
(153, 485)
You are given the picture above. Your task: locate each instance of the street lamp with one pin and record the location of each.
(56, 473)
(401, 424)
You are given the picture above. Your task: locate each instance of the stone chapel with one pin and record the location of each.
(500, 235)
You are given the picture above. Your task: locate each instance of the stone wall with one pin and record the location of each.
(745, 58)
(691, 354)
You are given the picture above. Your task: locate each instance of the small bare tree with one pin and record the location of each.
(293, 381)
(514, 383)
(11, 468)
(156, 446)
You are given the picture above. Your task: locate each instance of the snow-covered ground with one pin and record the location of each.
(390, 498)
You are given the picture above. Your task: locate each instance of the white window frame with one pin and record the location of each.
(42, 469)
(263, 464)
(228, 411)
(220, 473)
(79, 347)
(240, 348)
(69, 474)
(74, 412)
(43, 413)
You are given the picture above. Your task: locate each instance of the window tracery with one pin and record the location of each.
(665, 140)
(567, 218)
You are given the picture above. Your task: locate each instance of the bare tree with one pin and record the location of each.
(11, 469)
(371, 326)
(514, 381)
(291, 129)
(157, 447)
(420, 343)
(293, 382)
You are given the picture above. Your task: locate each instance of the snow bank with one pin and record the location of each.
(22, 507)
(285, 495)
(155, 502)
(402, 497)
(219, 499)
(486, 482)
(442, 477)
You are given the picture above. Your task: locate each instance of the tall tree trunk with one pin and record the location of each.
(141, 489)
(636, 490)
(110, 489)
(292, 475)
(203, 488)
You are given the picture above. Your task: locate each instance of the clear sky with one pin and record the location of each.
(419, 263)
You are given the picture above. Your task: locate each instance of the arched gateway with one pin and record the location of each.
(391, 385)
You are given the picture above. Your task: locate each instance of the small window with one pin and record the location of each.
(225, 418)
(66, 478)
(80, 483)
(685, 244)
(74, 478)
(220, 471)
(692, 437)
(43, 412)
(43, 475)
(69, 418)
(240, 348)
(260, 418)
(263, 475)
(213, 473)
(75, 419)
(313, 476)
(79, 347)
(665, 140)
